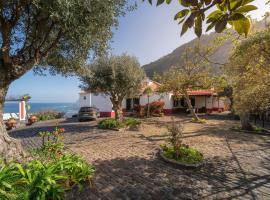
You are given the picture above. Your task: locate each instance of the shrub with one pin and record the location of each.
(49, 115)
(186, 154)
(131, 122)
(43, 179)
(48, 176)
(156, 107)
(114, 124)
(176, 150)
(176, 136)
(52, 143)
(110, 124)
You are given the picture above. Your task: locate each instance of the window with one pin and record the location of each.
(175, 103)
(84, 98)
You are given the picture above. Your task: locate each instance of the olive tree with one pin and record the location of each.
(57, 35)
(250, 70)
(223, 13)
(115, 76)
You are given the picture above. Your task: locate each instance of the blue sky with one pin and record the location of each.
(147, 33)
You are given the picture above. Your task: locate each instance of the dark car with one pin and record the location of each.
(88, 113)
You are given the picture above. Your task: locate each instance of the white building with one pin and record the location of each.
(202, 100)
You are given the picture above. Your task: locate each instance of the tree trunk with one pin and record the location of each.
(117, 107)
(190, 107)
(148, 107)
(245, 123)
(10, 148)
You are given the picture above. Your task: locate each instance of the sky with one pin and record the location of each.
(148, 33)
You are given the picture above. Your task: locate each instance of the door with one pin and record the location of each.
(129, 104)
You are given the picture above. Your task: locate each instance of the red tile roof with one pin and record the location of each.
(201, 92)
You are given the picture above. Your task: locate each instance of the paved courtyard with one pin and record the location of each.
(237, 164)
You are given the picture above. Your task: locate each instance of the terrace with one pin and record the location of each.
(236, 167)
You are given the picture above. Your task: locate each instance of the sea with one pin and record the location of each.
(68, 108)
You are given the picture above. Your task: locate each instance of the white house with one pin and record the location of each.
(202, 100)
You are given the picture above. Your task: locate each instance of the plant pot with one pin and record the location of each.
(11, 123)
(32, 119)
(179, 164)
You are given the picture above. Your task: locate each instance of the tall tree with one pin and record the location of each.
(115, 76)
(192, 74)
(223, 13)
(250, 70)
(54, 35)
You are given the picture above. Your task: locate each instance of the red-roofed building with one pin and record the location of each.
(202, 101)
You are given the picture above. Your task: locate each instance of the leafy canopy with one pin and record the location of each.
(116, 76)
(192, 74)
(223, 13)
(250, 71)
(54, 34)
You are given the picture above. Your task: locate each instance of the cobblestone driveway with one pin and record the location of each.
(237, 164)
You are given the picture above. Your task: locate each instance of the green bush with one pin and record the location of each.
(48, 176)
(114, 124)
(187, 154)
(110, 124)
(41, 180)
(131, 122)
(49, 115)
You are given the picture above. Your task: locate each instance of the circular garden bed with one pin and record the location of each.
(187, 157)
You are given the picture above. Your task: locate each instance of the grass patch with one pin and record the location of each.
(186, 154)
(114, 124)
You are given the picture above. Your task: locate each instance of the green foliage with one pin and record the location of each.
(249, 70)
(115, 124)
(48, 115)
(41, 180)
(232, 12)
(186, 154)
(148, 91)
(56, 35)
(110, 124)
(115, 76)
(175, 136)
(52, 143)
(176, 150)
(48, 176)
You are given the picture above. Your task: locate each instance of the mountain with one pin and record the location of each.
(221, 54)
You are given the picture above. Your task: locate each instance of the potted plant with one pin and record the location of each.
(32, 119)
(11, 123)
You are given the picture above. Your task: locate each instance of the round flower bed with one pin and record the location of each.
(185, 156)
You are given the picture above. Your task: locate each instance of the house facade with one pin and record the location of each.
(203, 101)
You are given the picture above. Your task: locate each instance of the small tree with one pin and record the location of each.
(191, 75)
(148, 92)
(250, 71)
(115, 76)
(176, 136)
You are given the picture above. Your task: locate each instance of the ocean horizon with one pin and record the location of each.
(13, 107)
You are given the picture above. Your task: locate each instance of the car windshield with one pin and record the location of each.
(87, 109)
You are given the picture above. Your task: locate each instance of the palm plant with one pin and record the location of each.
(148, 92)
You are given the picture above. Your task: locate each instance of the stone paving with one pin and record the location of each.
(236, 167)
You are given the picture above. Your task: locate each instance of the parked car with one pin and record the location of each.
(88, 113)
